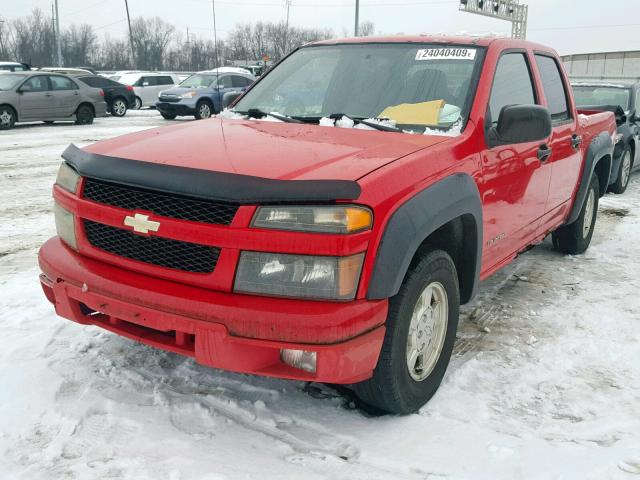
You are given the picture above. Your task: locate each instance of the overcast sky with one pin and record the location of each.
(570, 26)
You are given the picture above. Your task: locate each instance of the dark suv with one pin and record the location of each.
(119, 97)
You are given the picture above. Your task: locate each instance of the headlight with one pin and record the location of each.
(67, 178)
(322, 219)
(188, 95)
(334, 278)
(65, 225)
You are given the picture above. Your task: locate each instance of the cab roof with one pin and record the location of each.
(479, 40)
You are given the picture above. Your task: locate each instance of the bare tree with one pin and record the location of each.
(366, 29)
(33, 39)
(151, 37)
(79, 44)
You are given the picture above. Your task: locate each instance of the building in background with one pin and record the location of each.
(607, 66)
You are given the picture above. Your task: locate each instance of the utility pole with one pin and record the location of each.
(215, 50)
(286, 30)
(188, 50)
(58, 40)
(356, 28)
(133, 52)
(1, 40)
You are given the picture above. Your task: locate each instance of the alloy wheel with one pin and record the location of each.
(427, 331)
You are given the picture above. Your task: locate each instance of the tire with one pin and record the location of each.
(204, 109)
(119, 107)
(7, 117)
(624, 172)
(574, 239)
(137, 104)
(168, 116)
(395, 387)
(84, 115)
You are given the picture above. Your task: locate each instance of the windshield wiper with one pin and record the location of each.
(356, 121)
(257, 113)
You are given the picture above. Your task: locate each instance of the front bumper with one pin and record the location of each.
(176, 108)
(241, 333)
(100, 109)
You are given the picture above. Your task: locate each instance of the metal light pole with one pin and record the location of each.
(58, 42)
(356, 28)
(510, 10)
(133, 52)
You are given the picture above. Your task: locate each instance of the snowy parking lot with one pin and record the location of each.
(544, 382)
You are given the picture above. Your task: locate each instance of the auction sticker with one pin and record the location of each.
(446, 53)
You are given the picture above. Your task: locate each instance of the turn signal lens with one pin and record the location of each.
(65, 225)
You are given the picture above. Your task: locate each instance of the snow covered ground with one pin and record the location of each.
(544, 384)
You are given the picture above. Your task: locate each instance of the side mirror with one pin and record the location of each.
(145, 84)
(229, 98)
(520, 124)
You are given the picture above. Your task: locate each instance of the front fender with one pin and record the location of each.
(414, 221)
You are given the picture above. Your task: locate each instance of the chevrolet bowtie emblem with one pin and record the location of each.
(141, 223)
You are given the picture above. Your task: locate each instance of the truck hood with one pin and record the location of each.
(273, 150)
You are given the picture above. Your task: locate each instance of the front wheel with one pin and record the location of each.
(420, 333)
(138, 104)
(84, 115)
(7, 118)
(204, 110)
(624, 172)
(119, 108)
(574, 239)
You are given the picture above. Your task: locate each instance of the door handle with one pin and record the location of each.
(48, 95)
(544, 152)
(576, 141)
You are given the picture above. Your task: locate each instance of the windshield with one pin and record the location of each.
(8, 81)
(595, 95)
(417, 86)
(199, 80)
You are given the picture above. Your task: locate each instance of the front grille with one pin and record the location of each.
(164, 252)
(169, 99)
(163, 204)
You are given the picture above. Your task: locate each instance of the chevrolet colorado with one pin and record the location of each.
(329, 226)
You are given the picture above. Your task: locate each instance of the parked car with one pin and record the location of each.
(66, 71)
(622, 99)
(117, 75)
(255, 70)
(119, 97)
(201, 95)
(14, 67)
(31, 96)
(296, 249)
(147, 86)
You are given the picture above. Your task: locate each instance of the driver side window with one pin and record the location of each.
(512, 85)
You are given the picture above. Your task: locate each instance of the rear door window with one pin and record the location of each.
(62, 83)
(225, 81)
(512, 85)
(240, 82)
(164, 80)
(554, 88)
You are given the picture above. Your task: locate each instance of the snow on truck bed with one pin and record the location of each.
(544, 382)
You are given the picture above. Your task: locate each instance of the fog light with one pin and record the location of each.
(302, 359)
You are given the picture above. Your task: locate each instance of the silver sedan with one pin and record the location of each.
(48, 97)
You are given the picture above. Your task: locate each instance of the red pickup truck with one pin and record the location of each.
(329, 225)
